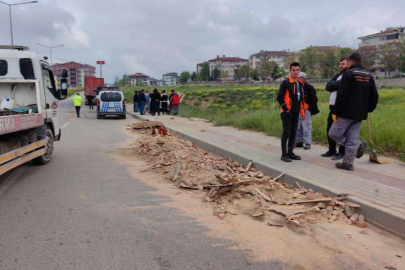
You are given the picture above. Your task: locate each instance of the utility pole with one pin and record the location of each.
(11, 21)
(50, 49)
(101, 63)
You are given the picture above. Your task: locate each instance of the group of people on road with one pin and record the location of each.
(156, 102)
(353, 96)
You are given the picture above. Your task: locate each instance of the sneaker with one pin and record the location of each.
(294, 156)
(344, 166)
(307, 147)
(299, 144)
(338, 156)
(362, 147)
(285, 158)
(328, 154)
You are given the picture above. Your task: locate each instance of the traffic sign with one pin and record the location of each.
(100, 62)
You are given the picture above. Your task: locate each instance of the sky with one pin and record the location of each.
(160, 36)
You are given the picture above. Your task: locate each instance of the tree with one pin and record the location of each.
(266, 69)
(402, 59)
(193, 76)
(205, 72)
(290, 58)
(328, 62)
(224, 74)
(255, 75)
(345, 52)
(390, 56)
(242, 72)
(184, 77)
(308, 61)
(216, 74)
(369, 56)
(123, 82)
(280, 73)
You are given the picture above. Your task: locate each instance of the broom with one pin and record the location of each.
(372, 152)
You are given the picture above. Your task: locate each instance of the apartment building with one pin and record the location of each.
(225, 64)
(277, 56)
(76, 72)
(171, 78)
(389, 35)
(139, 79)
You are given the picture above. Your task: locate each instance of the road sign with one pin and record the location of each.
(100, 62)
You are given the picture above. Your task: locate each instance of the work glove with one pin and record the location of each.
(334, 118)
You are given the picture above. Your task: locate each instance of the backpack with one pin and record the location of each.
(176, 100)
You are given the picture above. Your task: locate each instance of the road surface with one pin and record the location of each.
(68, 214)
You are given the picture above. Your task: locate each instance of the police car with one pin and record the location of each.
(110, 101)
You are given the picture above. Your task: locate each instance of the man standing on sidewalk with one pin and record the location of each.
(77, 102)
(290, 97)
(357, 96)
(304, 130)
(136, 101)
(332, 87)
(142, 102)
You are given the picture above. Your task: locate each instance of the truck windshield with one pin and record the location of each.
(3, 68)
(111, 96)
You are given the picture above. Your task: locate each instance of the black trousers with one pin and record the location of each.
(331, 142)
(90, 101)
(77, 110)
(164, 107)
(290, 125)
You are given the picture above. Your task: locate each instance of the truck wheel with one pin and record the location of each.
(98, 116)
(46, 158)
(124, 116)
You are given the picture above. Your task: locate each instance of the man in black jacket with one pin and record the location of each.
(357, 96)
(136, 101)
(155, 102)
(291, 102)
(142, 102)
(332, 87)
(304, 130)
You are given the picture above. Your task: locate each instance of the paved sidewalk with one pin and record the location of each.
(380, 189)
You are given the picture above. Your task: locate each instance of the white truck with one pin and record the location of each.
(29, 116)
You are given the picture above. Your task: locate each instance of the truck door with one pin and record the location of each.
(51, 100)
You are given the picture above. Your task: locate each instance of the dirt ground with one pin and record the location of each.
(322, 245)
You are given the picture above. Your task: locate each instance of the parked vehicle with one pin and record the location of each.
(110, 101)
(90, 85)
(29, 116)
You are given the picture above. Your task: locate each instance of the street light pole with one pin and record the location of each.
(50, 49)
(11, 21)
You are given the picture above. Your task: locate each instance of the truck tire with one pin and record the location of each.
(124, 116)
(46, 158)
(99, 116)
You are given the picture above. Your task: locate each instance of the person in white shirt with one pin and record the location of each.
(332, 87)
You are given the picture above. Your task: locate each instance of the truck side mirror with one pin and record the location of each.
(64, 73)
(63, 92)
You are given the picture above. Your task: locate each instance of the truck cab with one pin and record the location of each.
(29, 116)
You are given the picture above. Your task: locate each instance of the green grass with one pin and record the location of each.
(252, 107)
(71, 92)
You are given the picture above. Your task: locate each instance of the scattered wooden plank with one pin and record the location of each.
(146, 125)
(151, 166)
(264, 196)
(278, 177)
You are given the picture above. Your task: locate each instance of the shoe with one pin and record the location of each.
(344, 166)
(338, 156)
(294, 156)
(362, 147)
(299, 144)
(307, 147)
(285, 158)
(328, 154)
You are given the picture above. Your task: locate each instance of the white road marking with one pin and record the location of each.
(65, 125)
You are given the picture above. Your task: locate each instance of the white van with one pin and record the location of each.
(110, 101)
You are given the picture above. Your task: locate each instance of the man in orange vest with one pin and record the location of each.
(291, 100)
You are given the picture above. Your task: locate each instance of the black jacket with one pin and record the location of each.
(136, 98)
(333, 85)
(142, 97)
(155, 97)
(287, 96)
(311, 99)
(357, 94)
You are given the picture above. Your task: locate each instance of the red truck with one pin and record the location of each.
(90, 84)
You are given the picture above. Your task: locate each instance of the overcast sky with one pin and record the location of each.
(160, 36)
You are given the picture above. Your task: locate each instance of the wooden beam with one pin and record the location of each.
(20, 151)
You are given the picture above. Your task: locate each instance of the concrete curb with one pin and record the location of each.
(379, 216)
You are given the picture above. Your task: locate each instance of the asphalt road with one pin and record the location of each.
(68, 214)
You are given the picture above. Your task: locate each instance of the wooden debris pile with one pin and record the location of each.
(232, 188)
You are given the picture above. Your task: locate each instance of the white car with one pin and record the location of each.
(110, 101)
